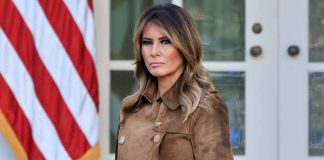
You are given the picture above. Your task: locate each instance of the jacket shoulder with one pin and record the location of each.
(212, 102)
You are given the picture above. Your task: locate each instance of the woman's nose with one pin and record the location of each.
(156, 50)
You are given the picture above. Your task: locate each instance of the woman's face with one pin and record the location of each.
(162, 59)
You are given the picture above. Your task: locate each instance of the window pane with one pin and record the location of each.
(231, 86)
(122, 84)
(316, 32)
(124, 14)
(316, 113)
(221, 26)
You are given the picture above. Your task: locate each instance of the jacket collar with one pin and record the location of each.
(170, 97)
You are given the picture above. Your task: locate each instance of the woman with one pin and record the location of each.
(176, 113)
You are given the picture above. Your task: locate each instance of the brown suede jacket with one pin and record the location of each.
(156, 130)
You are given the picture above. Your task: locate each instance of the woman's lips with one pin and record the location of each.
(156, 64)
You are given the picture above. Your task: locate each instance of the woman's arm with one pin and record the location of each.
(210, 134)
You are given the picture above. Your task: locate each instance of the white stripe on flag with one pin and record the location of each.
(22, 86)
(61, 69)
(83, 17)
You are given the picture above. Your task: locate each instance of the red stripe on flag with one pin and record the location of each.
(18, 121)
(71, 38)
(90, 5)
(46, 90)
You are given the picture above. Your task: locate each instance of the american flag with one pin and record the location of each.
(48, 81)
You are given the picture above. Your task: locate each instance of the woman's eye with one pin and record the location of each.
(146, 42)
(165, 41)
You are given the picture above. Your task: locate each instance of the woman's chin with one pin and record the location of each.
(156, 75)
(156, 72)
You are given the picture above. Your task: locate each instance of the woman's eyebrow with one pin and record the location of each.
(146, 38)
(163, 38)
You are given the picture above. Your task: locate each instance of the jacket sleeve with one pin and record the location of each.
(210, 134)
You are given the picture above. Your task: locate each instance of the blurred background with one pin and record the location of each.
(265, 58)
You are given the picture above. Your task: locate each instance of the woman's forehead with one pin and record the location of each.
(153, 28)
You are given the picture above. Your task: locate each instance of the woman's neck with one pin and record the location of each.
(166, 83)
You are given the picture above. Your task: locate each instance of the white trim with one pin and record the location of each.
(224, 66)
(293, 84)
(315, 67)
(121, 65)
(261, 81)
(102, 20)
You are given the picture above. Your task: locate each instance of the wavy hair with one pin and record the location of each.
(184, 35)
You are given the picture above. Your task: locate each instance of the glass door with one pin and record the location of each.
(238, 48)
(301, 83)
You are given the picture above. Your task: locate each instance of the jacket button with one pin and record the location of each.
(157, 124)
(121, 139)
(156, 138)
(183, 109)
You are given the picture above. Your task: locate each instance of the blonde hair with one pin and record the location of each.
(184, 35)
